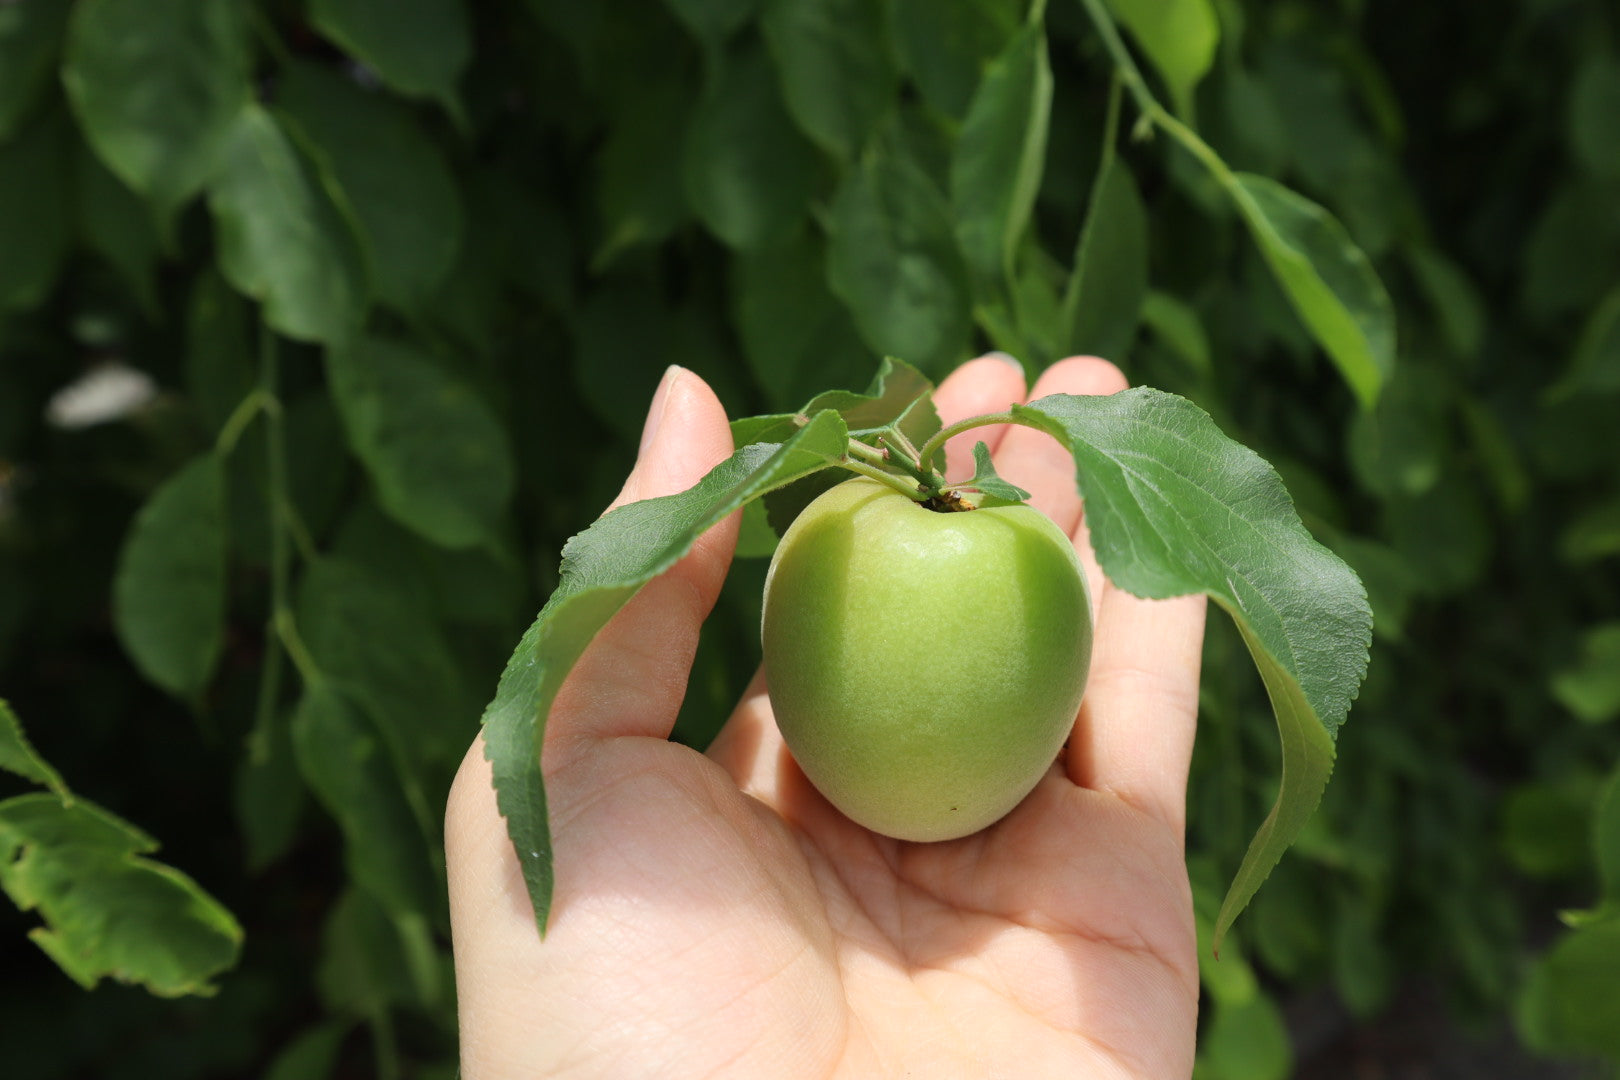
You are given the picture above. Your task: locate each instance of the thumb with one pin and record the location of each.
(632, 677)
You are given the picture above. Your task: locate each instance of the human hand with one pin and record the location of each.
(714, 916)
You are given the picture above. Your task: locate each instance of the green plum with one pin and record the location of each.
(925, 667)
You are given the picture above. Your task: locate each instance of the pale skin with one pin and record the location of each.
(715, 917)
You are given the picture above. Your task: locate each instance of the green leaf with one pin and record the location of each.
(1364, 970)
(1590, 686)
(892, 258)
(282, 241)
(1455, 300)
(1593, 533)
(30, 47)
(987, 481)
(1594, 102)
(384, 653)
(1544, 826)
(712, 21)
(348, 766)
(17, 754)
(372, 961)
(1178, 326)
(898, 394)
(440, 459)
(1326, 277)
(219, 360)
(749, 173)
(602, 569)
(1175, 507)
(998, 159)
(641, 192)
(157, 87)
(1595, 366)
(313, 1055)
(109, 912)
(1179, 37)
(945, 47)
(418, 47)
(169, 591)
(268, 796)
(1108, 285)
(116, 224)
(36, 223)
(1606, 837)
(397, 182)
(1398, 447)
(838, 77)
(795, 334)
(1568, 1004)
(1246, 1041)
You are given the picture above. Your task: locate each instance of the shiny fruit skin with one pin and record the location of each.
(924, 667)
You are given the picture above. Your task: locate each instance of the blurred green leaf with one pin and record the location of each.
(1179, 327)
(1594, 102)
(371, 961)
(641, 189)
(1568, 1004)
(1180, 38)
(749, 173)
(36, 224)
(312, 1055)
(837, 70)
(1443, 535)
(114, 222)
(108, 911)
(1606, 837)
(1544, 826)
(268, 797)
(17, 754)
(1327, 279)
(30, 44)
(395, 180)
(1455, 300)
(796, 336)
(999, 155)
(892, 259)
(157, 87)
(348, 766)
(712, 21)
(1108, 285)
(169, 592)
(1572, 255)
(1398, 447)
(1175, 507)
(440, 460)
(418, 47)
(1595, 366)
(944, 47)
(1594, 533)
(281, 239)
(1364, 969)
(219, 368)
(1247, 1041)
(1589, 686)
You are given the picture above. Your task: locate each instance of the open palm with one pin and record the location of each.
(714, 916)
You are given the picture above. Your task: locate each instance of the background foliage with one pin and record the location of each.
(388, 286)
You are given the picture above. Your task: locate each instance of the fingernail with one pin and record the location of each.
(1006, 358)
(660, 404)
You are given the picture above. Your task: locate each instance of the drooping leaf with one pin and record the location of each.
(1595, 367)
(1326, 277)
(641, 190)
(268, 796)
(749, 172)
(17, 754)
(892, 258)
(348, 766)
(157, 87)
(36, 223)
(603, 568)
(418, 47)
(1589, 687)
(1108, 285)
(395, 180)
(115, 223)
(440, 459)
(712, 21)
(108, 911)
(796, 336)
(837, 73)
(999, 156)
(30, 47)
(1179, 37)
(169, 591)
(1175, 507)
(1398, 447)
(312, 1055)
(1247, 1041)
(898, 395)
(945, 47)
(1594, 102)
(373, 961)
(281, 239)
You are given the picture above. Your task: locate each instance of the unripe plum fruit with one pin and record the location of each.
(925, 667)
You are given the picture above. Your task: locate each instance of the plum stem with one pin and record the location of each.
(909, 488)
(935, 444)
